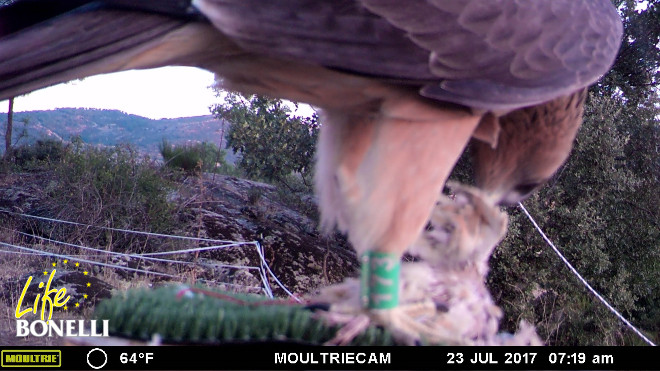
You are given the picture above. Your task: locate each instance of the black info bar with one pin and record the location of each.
(277, 356)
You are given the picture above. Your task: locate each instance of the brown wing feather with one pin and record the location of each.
(490, 54)
(340, 34)
(503, 54)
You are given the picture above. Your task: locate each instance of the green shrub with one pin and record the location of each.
(42, 152)
(273, 143)
(112, 187)
(195, 158)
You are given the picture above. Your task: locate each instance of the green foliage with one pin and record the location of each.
(602, 210)
(273, 143)
(112, 187)
(40, 153)
(636, 71)
(194, 158)
(183, 157)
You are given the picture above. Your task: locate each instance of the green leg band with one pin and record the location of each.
(379, 279)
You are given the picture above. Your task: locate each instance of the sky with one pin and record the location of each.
(166, 92)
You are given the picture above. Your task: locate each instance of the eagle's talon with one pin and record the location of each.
(410, 323)
(353, 326)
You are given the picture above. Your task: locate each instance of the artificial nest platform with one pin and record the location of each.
(166, 316)
(443, 298)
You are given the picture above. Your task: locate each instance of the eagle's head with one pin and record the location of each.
(530, 145)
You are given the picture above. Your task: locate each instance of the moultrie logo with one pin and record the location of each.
(31, 358)
(47, 301)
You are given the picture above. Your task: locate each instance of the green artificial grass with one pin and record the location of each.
(204, 319)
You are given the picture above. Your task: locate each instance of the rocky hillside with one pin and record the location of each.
(111, 127)
(242, 210)
(216, 207)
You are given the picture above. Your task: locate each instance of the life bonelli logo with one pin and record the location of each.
(48, 300)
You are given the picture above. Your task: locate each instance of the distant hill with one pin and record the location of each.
(111, 127)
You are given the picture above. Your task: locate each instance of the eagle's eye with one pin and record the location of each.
(525, 189)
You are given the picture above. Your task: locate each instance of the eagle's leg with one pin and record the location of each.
(379, 174)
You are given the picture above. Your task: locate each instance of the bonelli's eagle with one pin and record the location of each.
(403, 86)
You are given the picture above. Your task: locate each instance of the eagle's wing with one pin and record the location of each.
(503, 54)
(489, 54)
